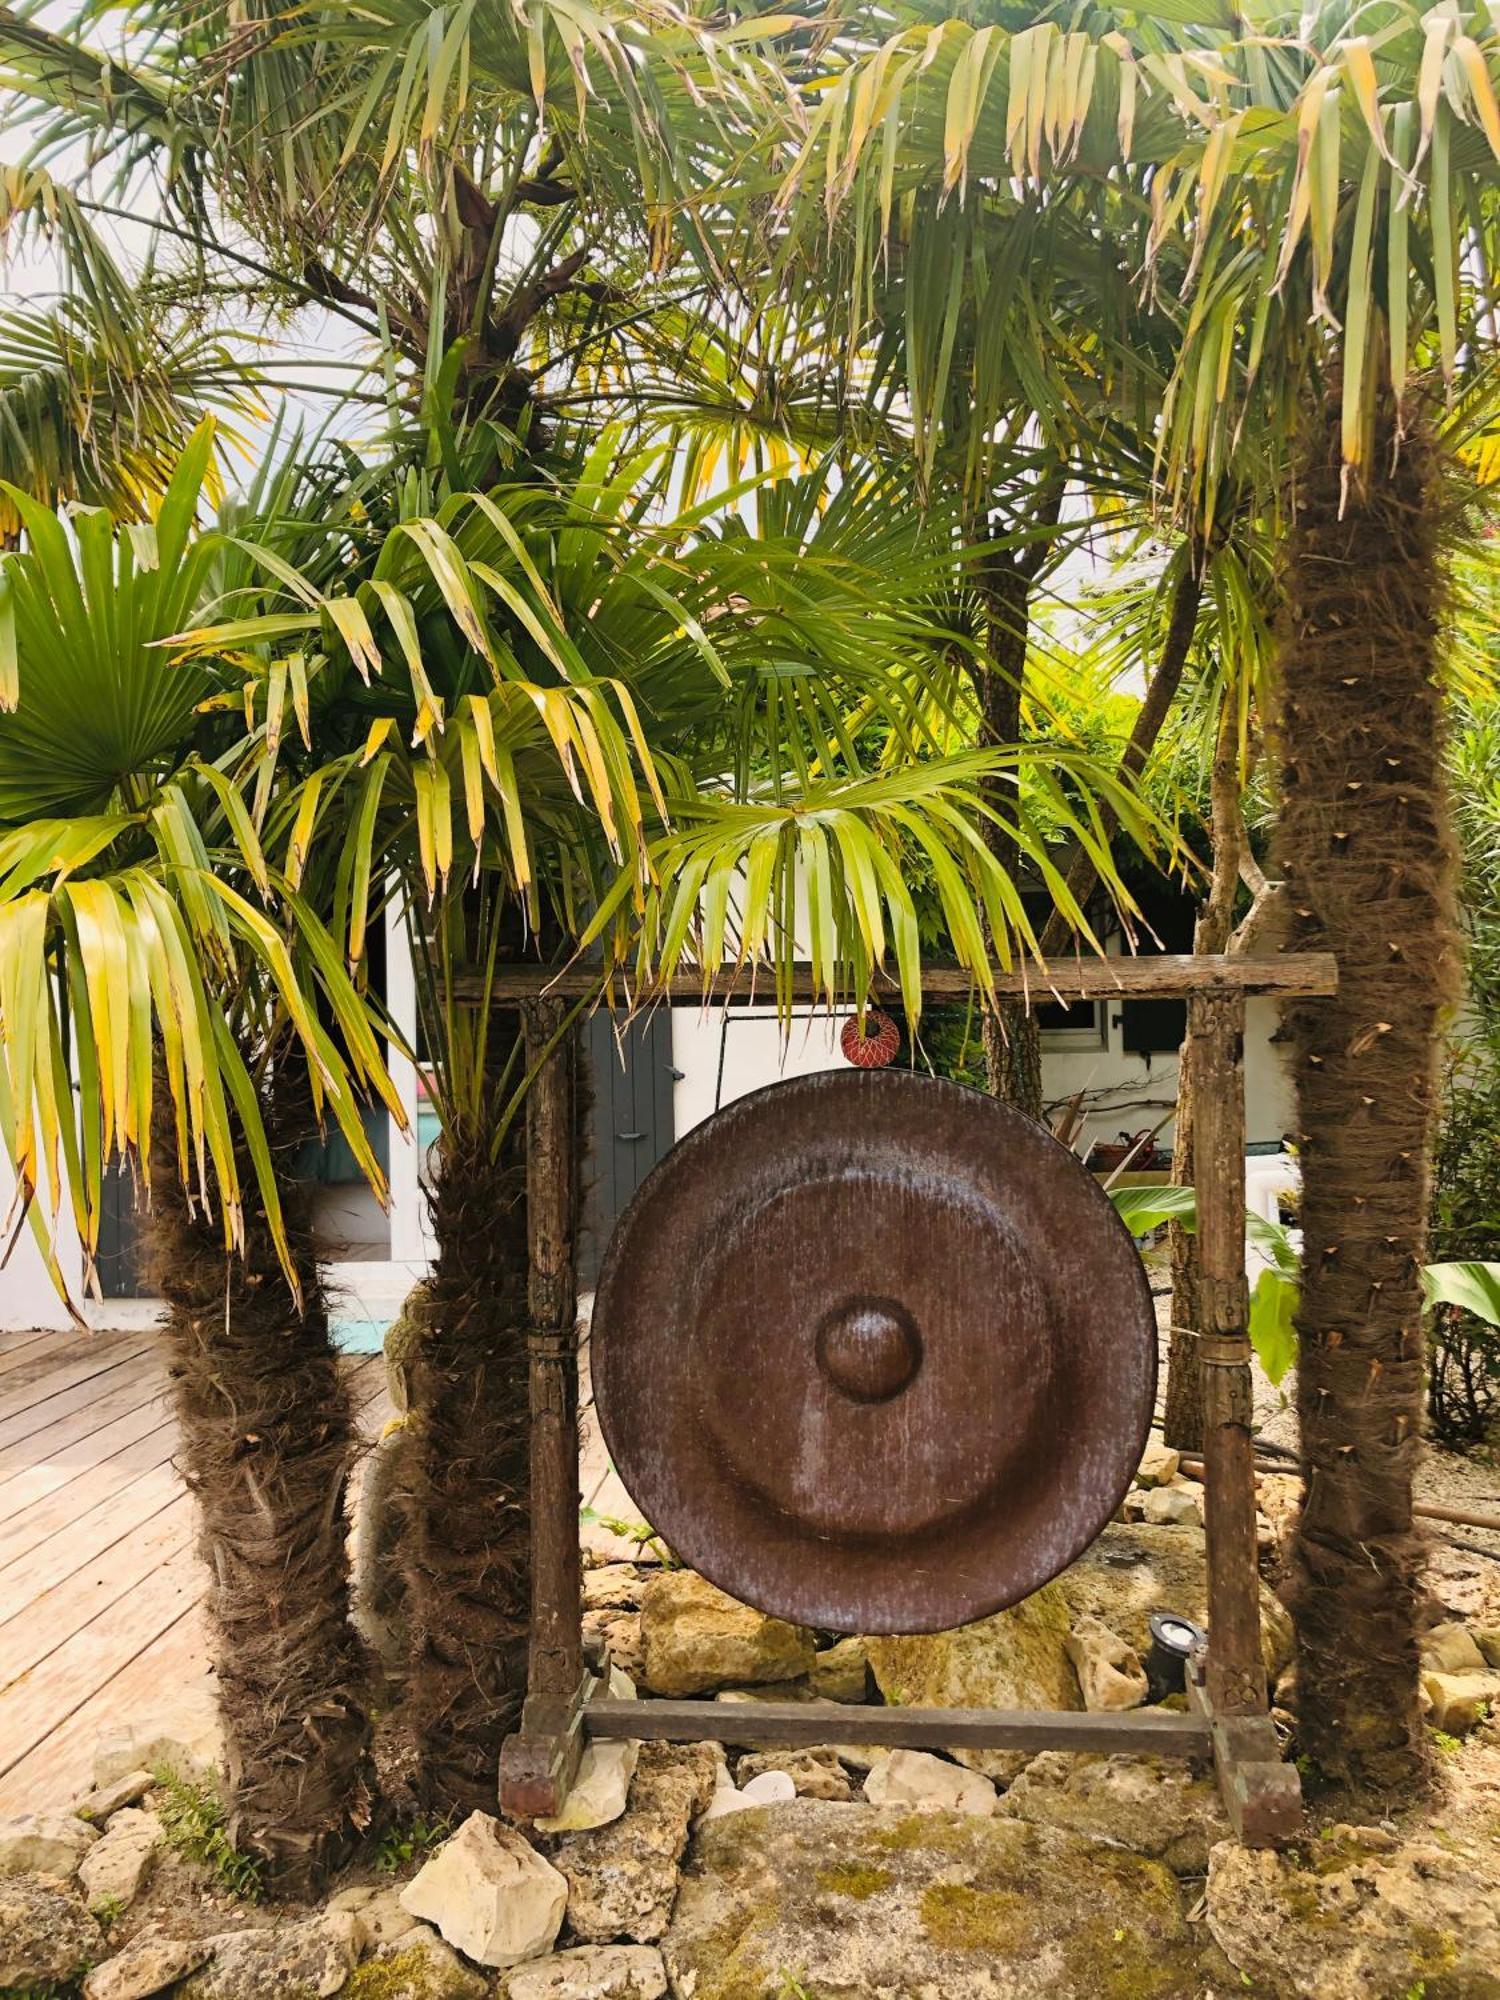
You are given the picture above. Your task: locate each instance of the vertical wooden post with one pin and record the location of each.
(1236, 1679)
(1261, 1793)
(538, 1765)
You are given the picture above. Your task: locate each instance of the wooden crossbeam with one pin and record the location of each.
(1165, 976)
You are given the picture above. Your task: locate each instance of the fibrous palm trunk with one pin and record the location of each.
(1365, 849)
(268, 1442)
(467, 1554)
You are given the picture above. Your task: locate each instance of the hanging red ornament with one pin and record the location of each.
(875, 1045)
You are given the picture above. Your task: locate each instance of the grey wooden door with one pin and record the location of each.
(122, 1262)
(630, 1127)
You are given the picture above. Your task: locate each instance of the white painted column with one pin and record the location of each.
(408, 1238)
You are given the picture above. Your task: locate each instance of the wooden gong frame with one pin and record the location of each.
(1227, 1722)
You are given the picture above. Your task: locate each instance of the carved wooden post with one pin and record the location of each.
(1260, 1792)
(538, 1765)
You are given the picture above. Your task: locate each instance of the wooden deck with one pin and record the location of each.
(101, 1586)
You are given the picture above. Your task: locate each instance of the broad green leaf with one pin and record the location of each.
(1473, 1287)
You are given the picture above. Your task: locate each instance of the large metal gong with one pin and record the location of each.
(874, 1352)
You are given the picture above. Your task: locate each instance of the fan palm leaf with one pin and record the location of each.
(131, 882)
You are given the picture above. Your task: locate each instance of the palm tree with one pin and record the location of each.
(1323, 183)
(152, 951)
(102, 385)
(1011, 332)
(561, 711)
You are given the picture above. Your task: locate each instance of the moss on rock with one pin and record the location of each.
(849, 1900)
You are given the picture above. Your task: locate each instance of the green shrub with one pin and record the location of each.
(1464, 1226)
(192, 1817)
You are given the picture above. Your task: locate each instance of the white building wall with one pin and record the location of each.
(723, 1055)
(28, 1297)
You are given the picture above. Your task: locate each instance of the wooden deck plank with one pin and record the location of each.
(48, 1358)
(61, 1766)
(17, 1348)
(67, 1469)
(103, 1527)
(135, 1388)
(35, 1704)
(69, 1606)
(110, 1351)
(49, 1517)
(101, 1584)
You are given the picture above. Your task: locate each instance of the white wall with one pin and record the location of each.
(725, 1056)
(28, 1297)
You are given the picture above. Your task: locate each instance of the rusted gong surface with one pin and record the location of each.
(874, 1352)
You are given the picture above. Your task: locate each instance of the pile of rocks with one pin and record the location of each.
(714, 1872)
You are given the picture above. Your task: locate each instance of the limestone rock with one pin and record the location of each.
(1015, 1659)
(1487, 1638)
(1159, 1465)
(859, 1902)
(44, 1934)
(116, 1869)
(1357, 1919)
(382, 1918)
(1451, 1649)
(186, 1740)
(1153, 1807)
(815, 1774)
(97, 1805)
(311, 1960)
(841, 1672)
(1130, 1572)
(865, 1756)
(490, 1894)
(1109, 1672)
(1172, 1507)
(619, 1633)
(417, 1965)
(613, 1587)
(1461, 1701)
(593, 1972)
(147, 1965)
(770, 1788)
(599, 1791)
(921, 1782)
(49, 1844)
(695, 1638)
(622, 1878)
(771, 1691)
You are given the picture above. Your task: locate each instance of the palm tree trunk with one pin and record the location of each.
(467, 1456)
(268, 1442)
(1365, 846)
(1012, 1043)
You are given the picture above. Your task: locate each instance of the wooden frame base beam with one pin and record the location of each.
(538, 1765)
(1144, 1732)
(1262, 1793)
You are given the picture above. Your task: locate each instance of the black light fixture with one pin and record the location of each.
(1174, 1639)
